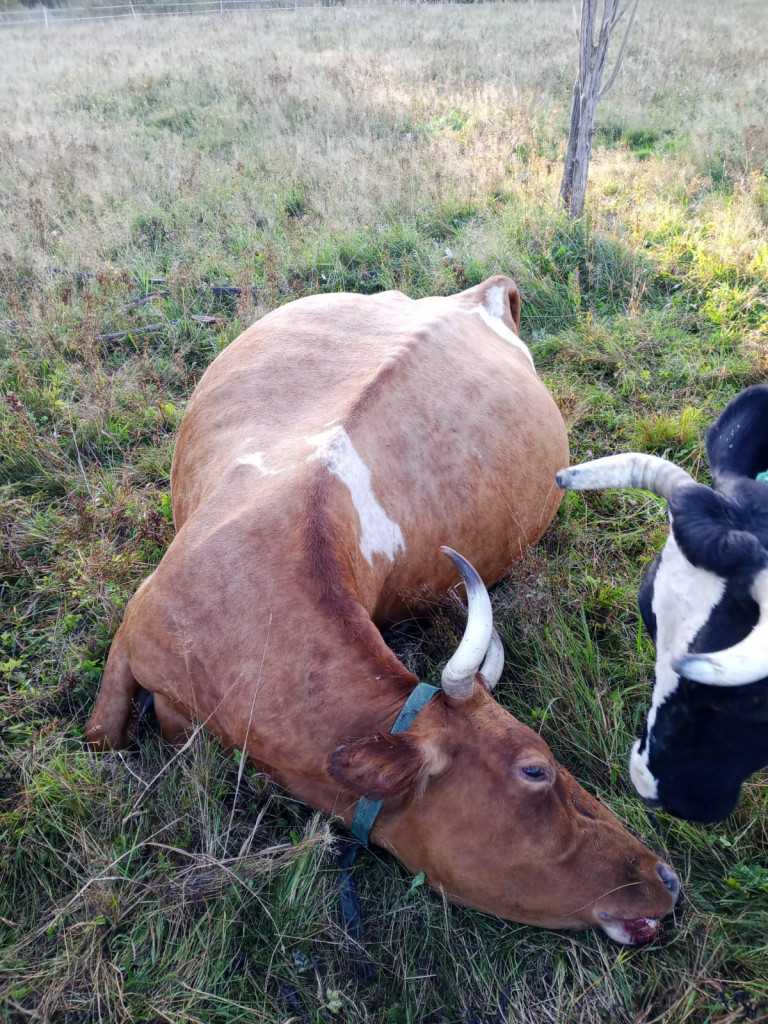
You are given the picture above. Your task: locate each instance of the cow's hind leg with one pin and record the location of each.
(117, 705)
(175, 724)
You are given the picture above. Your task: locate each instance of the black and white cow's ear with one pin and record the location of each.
(702, 527)
(737, 442)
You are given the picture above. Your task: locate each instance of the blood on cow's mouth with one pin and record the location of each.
(631, 931)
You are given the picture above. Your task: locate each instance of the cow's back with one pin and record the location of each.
(279, 383)
(398, 425)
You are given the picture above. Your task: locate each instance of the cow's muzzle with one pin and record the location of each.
(639, 930)
(670, 878)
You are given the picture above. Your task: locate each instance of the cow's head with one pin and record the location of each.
(476, 800)
(705, 603)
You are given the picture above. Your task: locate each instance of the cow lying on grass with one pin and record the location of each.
(705, 603)
(324, 458)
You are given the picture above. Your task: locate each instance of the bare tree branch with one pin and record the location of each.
(621, 14)
(620, 56)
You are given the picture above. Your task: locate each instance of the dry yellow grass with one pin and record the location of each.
(370, 111)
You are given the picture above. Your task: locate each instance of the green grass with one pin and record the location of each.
(358, 150)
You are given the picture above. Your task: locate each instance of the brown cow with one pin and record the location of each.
(324, 458)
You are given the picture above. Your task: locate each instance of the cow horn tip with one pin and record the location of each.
(700, 668)
(457, 559)
(467, 571)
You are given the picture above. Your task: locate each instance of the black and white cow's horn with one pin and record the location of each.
(745, 662)
(459, 674)
(630, 469)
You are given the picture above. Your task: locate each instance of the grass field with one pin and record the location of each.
(358, 149)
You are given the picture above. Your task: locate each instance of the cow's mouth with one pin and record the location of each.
(631, 932)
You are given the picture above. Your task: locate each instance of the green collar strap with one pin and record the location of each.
(366, 811)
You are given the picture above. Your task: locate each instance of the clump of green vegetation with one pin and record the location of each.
(176, 199)
(641, 142)
(296, 199)
(678, 435)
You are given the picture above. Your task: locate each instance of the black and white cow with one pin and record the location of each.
(705, 603)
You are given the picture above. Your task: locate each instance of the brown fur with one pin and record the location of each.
(380, 766)
(260, 620)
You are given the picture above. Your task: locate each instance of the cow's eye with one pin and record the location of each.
(533, 772)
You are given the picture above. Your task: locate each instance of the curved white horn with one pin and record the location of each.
(745, 662)
(493, 665)
(459, 674)
(630, 469)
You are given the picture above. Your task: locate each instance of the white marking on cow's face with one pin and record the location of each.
(684, 597)
(491, 312)
(643, 779)
(743, 663)
(379, 535)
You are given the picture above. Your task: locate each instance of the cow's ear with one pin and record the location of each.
(701, 523)
(382, 766)
(738, 441)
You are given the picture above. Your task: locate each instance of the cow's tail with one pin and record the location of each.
(117, 705)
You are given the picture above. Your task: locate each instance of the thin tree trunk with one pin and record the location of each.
(586, 95)
(573, 188)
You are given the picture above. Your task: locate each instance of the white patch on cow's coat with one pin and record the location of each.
(683, 599)
(379, 535)
(257, 459)
(491, 312)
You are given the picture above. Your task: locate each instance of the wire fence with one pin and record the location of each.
(44, 16)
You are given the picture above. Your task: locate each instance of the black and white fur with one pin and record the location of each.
(702, 741)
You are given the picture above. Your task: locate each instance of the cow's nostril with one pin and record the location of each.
(670, 879)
